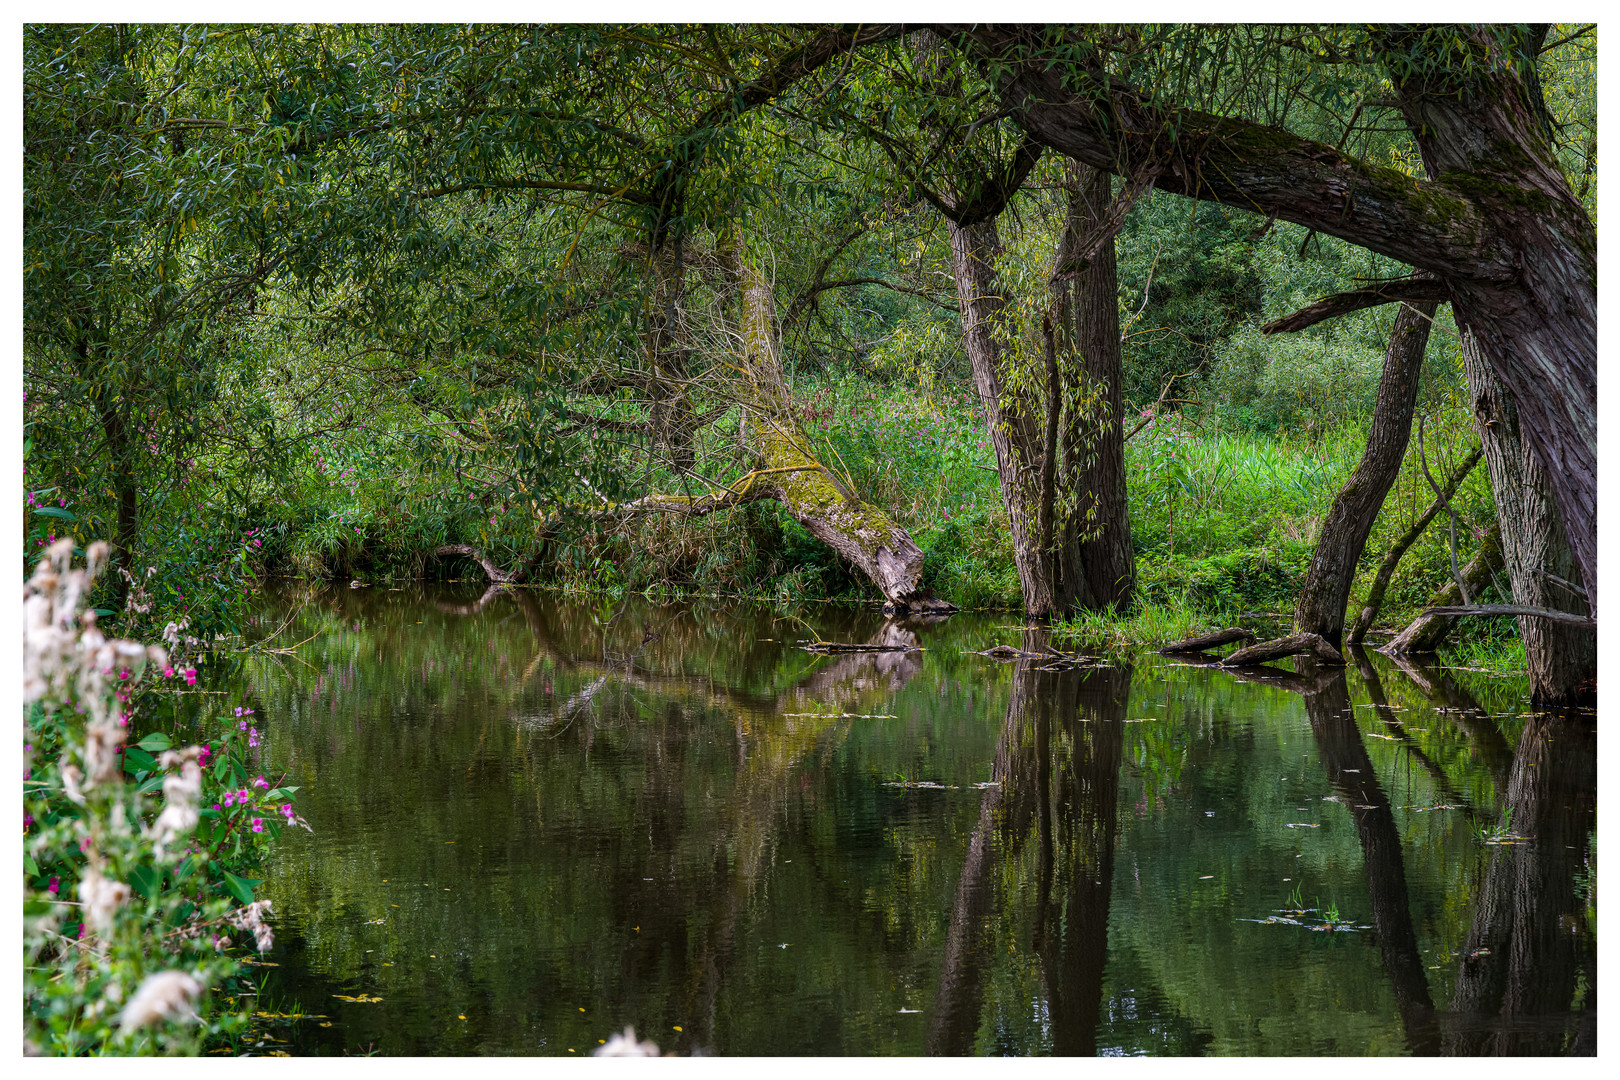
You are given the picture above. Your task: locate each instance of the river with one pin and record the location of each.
(539, 819)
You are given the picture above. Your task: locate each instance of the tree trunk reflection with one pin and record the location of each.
(1057, 774)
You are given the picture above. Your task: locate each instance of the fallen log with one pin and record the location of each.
(1292, 645)
(1208, 641)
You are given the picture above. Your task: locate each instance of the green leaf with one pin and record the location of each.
(137, 761)
(29, 865)
(146, 881)
(56, 512)
(152, 784)
(156, 742)
(241, 888)
(183, 871)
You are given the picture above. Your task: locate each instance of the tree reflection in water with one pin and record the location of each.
(1069, 800)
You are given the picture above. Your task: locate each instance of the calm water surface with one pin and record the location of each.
(539, 819)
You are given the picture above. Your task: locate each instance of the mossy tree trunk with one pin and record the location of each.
(1349, 520)
(1058, 440)
(1049, 574)
(818, 499)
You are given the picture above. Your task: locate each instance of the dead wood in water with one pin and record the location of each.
(1293, 645)
(828, 648)
(1208, 641)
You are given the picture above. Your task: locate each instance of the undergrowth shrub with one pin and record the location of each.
(130, 905)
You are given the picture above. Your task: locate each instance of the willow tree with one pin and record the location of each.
(158, 201)
(1499, 222)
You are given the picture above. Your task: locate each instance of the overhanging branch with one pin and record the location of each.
(1405, 290)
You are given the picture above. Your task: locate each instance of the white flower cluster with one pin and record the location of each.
(251, 918)
(181, 790)
(166, 994)
(64, 663)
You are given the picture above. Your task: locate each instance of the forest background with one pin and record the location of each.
(586, 304)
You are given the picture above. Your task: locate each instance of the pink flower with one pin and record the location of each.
(287, 810)
(258, 824)
(228, 797)
(191, 676)
(261, 782)
(227, 803)
(168, 673)
(239, 710)
(56, 884)
(243, 796)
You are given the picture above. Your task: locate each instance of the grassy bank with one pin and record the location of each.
(1224, 519)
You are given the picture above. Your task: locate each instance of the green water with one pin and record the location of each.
(541, 819)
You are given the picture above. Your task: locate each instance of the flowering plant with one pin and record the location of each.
(129, 897)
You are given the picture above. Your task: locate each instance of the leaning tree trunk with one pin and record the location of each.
(816, 497)
(1535, 323)
(1049, 576)
(1561, 659)
(1087, 306)
(1344, 531)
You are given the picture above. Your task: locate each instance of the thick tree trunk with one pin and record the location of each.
(1561, 659)
(1322, 600)
(1536, 324)
(671, 414)
(1498, 224)
(1096, 443)
(1060, 455)
(817, 498)
(1386, 569)
(1425, 633)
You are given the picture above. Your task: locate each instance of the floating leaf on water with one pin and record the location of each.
(1300, 825)
(358, 999)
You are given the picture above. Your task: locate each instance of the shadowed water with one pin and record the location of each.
(540, 819)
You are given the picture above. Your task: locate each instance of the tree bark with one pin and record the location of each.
(1069, 517)
(860, 533)
(1107, 558)
(1013, 425)
(1425, 633)
(1349, 520)
(1386, 569)
(1208, 641)
(1561, 659)
(1306, 644)
(1498, 225)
